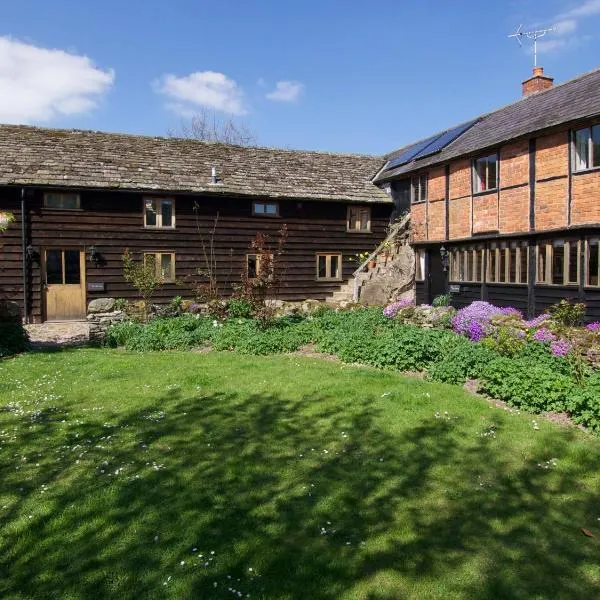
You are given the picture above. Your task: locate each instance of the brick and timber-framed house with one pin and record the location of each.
(506, 207)
(81, 198)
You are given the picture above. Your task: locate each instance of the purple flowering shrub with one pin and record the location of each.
(535, 323)
(392, 310)
(544, 335)
(561, 347)
(595, 326)
(474, 321)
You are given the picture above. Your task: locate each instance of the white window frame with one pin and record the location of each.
(256, 212)
(159, 203)
(477, 182)
(63, 196)
(501, 251)
(354, 219)
(590, 158)
(328, 276)
(419, 188)
(158, 264)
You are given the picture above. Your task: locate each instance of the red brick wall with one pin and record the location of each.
(585, 198)
(436, 226)
(417, 221)
(460, 179)
(514, 210)
(552, 155)
(437, 184)
(514, 164)
(460, 218)
(551, 203)
(509, 213)
(485, 213)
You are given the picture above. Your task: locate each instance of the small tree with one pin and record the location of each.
(142, 276)
(261, 289)
(207, 127)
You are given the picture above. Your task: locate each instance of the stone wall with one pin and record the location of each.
(101, 315)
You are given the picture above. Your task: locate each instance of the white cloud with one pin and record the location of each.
(587, 9)
(286, 91)
(39, 84)
(202, 88)
(565, 27)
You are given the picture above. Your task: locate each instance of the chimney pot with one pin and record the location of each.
(537, 83)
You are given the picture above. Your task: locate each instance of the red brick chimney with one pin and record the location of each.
(537, 83)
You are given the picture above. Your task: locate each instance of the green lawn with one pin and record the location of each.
(189, 475)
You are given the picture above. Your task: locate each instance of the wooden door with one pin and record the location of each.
(64, 284)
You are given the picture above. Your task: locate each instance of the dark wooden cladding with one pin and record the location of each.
(469, 292)
(547, 295)
(508, 295)
(420, 292)
(113, 221)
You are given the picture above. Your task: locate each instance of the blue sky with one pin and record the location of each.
(351, 76)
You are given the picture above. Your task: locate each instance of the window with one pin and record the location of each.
(159, 213)
(419, 188)
(466, 264)
(593, 262)
(265, 209)
(359, 218)
(63, 200)
(586, 148)
(419, 265)
(485, 173)
(329, 266)
(558, 262)
(255, 266)
(508, 262)
(164, 263)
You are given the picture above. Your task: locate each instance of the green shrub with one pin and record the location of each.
(584, 404)
(249, 337)
(240, 308)
(441, 300)
(505, 341)
(177, 333)
(567, 314)
(526, 384)
(461, 361)
(13, 338)
(120, 333)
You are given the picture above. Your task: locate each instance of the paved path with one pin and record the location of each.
(55, 335)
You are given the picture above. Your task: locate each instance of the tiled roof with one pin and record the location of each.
(85, 159)
(570, 101)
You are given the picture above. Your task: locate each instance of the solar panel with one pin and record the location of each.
(409, 154)
(443, 140)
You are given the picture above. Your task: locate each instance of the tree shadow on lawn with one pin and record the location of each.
(297, 499)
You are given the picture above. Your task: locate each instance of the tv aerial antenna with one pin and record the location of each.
(519, 34)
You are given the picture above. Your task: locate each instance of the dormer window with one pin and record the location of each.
(159, 213)
(485, 173)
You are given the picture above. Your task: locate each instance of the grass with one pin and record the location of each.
(187, 475)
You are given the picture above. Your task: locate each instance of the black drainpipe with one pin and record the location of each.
(24, 248)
